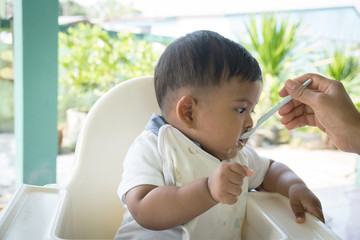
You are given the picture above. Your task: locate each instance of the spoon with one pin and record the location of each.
(270, 113)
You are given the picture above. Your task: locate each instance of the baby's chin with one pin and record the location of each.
(230, 152)
(239, 145)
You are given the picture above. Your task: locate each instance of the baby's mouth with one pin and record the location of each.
(239, 145)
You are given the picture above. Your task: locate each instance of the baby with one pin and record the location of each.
(188, 173)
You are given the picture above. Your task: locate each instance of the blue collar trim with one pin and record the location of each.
(155, 123)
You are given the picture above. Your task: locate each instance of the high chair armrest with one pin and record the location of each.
(269, 215)
(31, 212)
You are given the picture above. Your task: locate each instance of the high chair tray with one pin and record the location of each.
(269, 216)
(31, 212)
(34, 212)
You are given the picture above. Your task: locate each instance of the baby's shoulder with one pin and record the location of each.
(146, 138)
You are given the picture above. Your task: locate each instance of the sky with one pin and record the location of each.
(196, 7)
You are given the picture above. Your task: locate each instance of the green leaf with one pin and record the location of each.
(272, 42)
(91, 62)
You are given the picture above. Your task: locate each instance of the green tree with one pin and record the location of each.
(345, 67)
(6, 86)
(272, 43)
(91, 62)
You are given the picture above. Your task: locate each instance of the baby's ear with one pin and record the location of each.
(185, 110)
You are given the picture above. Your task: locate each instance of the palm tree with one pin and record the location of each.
(344, 66)
(272, 43)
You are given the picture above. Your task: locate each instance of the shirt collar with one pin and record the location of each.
(156, 122)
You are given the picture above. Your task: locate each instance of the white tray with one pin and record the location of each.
(36, 213)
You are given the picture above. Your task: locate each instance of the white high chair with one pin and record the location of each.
(87, 206)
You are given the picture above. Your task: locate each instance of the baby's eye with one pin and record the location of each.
(241, 110)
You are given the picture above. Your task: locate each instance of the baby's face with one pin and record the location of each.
(224, 115)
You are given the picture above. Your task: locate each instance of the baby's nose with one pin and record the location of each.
(249, 123)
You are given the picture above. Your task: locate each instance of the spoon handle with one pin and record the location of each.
(271, 112)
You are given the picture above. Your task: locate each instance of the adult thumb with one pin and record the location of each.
(299, 92)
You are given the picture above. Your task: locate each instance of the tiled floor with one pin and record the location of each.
(330, 174)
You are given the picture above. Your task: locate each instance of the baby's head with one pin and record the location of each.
(195, 74)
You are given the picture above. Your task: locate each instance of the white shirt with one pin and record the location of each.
(173, 159)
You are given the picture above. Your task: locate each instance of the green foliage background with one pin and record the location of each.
(272, 42)
(276, 43)
(344, 66)
(6, 86)
(91, 62)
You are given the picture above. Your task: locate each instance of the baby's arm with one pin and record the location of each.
(283, 180)
(165, 207)
(160, 208)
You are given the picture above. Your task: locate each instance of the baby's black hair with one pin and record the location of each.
(202, 59)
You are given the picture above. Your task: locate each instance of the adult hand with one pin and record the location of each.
(325, 104)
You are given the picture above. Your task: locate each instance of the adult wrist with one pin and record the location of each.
(356, 147)
(354, 133)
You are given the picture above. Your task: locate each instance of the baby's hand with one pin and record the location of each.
(301, 200)
(226, 181)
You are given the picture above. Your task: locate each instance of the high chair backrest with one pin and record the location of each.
(110, 127)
